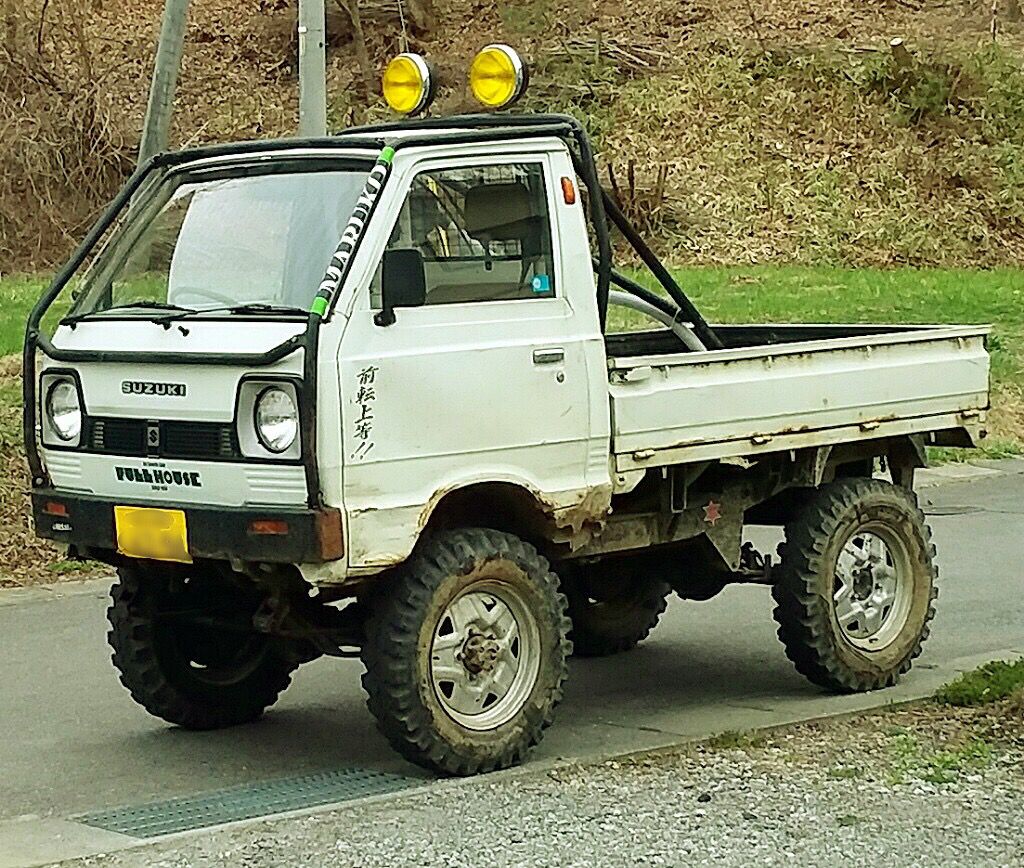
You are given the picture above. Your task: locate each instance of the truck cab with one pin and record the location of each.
(356, 396)
(490, 267)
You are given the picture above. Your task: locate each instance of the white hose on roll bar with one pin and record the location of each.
(679, 329)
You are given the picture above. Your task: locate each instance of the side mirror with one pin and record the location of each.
(403, 283)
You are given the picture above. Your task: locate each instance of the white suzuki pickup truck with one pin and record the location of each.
(356, 396)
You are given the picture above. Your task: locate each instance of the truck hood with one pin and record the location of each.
(193, 336)
(185, 390)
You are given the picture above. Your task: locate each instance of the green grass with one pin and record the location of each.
(906, 295)
(10, 412)
(736, 740)
(836, 295)
(910, 760)
(992, 449)
(71, 569)
(945, 766)
(989, 683)
(18, 293)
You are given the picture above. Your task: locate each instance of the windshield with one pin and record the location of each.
(262, 241)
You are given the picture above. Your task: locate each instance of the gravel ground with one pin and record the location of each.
(915, 787)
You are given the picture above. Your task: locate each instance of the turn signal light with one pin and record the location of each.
(568, 191)
(54, 507)
(268, 527)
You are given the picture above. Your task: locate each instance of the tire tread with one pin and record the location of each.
(801, 613)
(131, 637)
(590, 640)
(390, 651)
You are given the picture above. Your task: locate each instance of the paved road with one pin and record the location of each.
(73, 741)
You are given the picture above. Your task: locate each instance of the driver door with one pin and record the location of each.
(485, 380)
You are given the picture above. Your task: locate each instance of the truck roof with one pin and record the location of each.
(468, 129)
(494, 125)
(399, 132)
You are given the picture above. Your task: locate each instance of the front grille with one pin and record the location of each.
(170, 439)
(120, 436)
(197, 439)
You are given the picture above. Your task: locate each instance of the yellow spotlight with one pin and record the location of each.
(498, 76)
(407, 84)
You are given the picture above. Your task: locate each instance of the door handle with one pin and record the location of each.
(548, 356)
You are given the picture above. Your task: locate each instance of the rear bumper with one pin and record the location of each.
(222, 533)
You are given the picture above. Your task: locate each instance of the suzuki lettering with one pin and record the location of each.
(144, 387)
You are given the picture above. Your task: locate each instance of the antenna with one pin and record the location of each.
(403, 39)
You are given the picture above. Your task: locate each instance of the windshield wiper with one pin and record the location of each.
(254, 307)
(144, 304)
(264, 307)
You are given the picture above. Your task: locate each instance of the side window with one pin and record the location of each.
(484, 233)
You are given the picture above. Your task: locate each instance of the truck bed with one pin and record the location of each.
(776, 387)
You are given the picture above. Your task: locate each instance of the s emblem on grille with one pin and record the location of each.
(145, 387)
(153, 434)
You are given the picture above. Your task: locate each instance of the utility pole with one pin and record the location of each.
(165, 79)
(312, 68)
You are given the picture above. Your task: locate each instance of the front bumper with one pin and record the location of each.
(222, 533)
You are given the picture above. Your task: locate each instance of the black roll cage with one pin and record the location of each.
(460, 129)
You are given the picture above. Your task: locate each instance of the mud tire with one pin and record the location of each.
(406, 611)
(613, 606)
(154, 659)
(805, 613)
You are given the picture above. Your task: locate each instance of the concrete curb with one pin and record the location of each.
(968, 471)
(949, 473)
(55, 591)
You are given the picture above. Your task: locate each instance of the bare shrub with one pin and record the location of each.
(63, 147)
(643, 203)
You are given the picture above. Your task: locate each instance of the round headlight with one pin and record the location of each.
(64, 410)
(277, 419)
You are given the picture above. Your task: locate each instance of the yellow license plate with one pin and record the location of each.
(160, 534)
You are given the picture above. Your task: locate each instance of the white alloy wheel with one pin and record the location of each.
(485, 656)
(872, 588)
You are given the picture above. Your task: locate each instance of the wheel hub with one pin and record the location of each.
(480, 653)
(871, 599)
(863, 582)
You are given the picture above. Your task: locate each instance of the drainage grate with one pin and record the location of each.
(246, 802)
